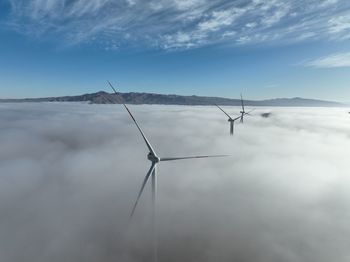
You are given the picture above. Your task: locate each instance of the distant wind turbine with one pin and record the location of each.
(230, 119)
(153, 157)
(243, 113)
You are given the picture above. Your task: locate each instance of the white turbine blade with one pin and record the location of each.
(138, 127)
(248, 113)
(118, 96)
(150, 171)
(108, 99)
(112, 87)
(238, 117)
(143, 135)
(189, 157)
(242, 103)
(223, 111)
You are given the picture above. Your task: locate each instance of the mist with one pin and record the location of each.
(70, 173)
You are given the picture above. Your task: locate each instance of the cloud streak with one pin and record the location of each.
(181, 24)
(331, 61)
(70, 172)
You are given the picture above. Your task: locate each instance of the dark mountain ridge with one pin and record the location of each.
(102, 97)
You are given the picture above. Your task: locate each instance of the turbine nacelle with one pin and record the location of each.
(153, 158)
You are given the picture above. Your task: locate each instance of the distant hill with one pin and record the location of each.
(148, 98)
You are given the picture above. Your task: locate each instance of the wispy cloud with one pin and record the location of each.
(181, 23)
(330, 61)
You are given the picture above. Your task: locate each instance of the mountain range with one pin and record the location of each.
(102, 97)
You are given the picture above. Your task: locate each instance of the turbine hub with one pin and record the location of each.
(151, 157)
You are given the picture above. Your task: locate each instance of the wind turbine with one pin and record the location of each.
(230, 119)
(155, 159)
(243, 113)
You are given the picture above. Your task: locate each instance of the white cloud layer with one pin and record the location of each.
(330, 61)
(182, 23)
(70, 174)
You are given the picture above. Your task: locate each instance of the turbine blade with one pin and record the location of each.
(112, 87)
(150, 171)
(138, 127)
(108, 99)
(189, 157)
(231, 127)
(248, 113)
(118, 96)
(223, 111)
(143, 135)
(238, 117)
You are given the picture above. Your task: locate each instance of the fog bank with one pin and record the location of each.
(69, 175)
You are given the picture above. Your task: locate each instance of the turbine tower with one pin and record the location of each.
(242, 112)
(152, 172)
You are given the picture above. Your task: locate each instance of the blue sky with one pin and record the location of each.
(263, 48)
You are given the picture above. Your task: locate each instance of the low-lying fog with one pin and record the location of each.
(69, 175)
